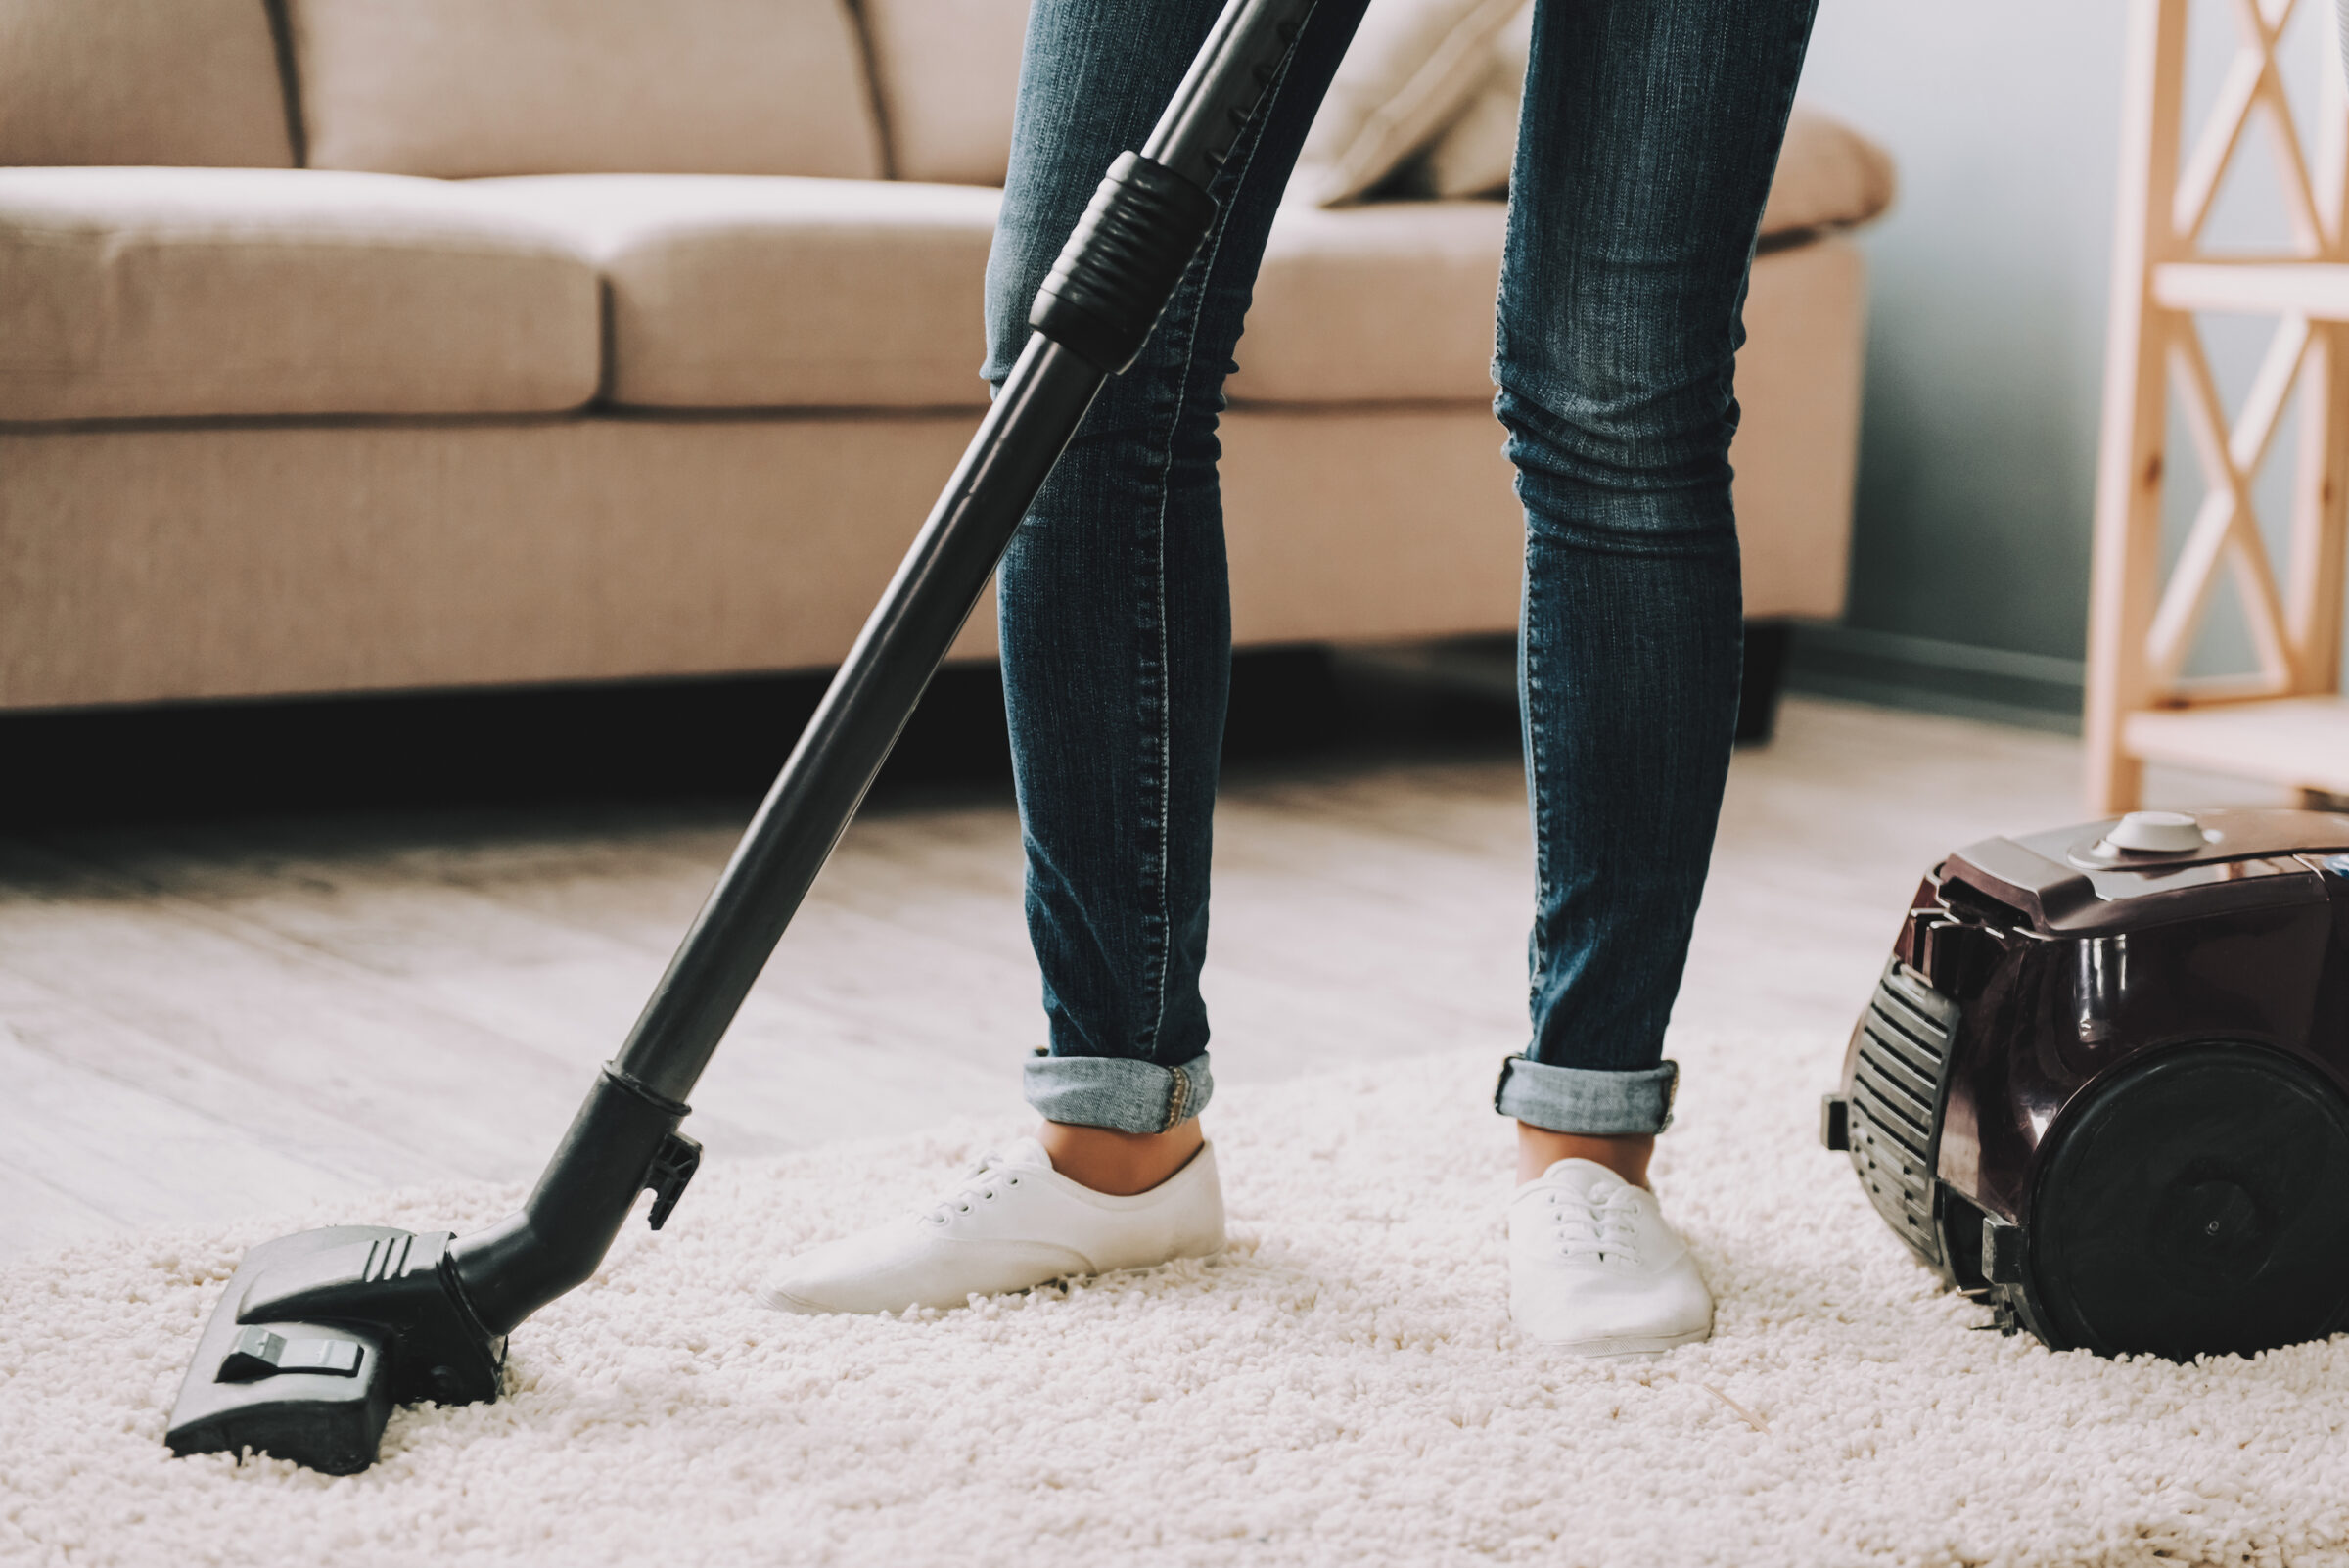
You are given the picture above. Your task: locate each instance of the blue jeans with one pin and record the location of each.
(1649, 135)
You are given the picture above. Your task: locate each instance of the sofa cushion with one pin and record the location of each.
(1384, 302)
(1413, 68)
(1471, 156)
(459, 87)
(947, 72)
(735, 292)
(158, 81)
(144, 293)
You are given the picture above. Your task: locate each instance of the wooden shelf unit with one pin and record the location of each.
(2301, 739)
(2288, 723)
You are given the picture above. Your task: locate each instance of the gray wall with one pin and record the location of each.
(1990, 280)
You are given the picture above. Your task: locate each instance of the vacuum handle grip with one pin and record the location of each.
(1145, 223)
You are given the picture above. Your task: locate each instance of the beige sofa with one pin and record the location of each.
(363, 344)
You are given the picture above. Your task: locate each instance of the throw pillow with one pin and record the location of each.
(1413, 65)
(1471, 156)
(1829, 176)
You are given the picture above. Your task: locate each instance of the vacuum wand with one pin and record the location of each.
(1090, 319)
(320, 1334)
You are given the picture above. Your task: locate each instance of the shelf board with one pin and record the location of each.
(2318, 290)
(2301, 742)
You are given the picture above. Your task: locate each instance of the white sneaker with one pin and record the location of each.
(1595, 1270)
(1013, 1224)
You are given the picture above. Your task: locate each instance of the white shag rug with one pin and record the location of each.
(1342, 1387)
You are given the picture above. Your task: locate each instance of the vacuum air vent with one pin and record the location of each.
(1896, 1102)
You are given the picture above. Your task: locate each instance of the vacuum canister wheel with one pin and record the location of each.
(2199, 1204)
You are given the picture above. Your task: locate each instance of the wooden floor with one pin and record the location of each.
(198, 1021)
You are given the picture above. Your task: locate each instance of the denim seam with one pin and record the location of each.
(1157, 859)
(1196, 306)
(1539, 956)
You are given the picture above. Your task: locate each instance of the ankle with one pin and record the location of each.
(1119, 1164)
(1625, 1154)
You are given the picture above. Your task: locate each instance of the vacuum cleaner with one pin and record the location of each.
(319, 1334)
(2104, 1082)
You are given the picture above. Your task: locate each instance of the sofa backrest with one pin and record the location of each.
(141, 81)
(947, 72)
(473, 87)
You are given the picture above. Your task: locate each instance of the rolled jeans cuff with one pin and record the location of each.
(1114, 1092)
(1586, 1100)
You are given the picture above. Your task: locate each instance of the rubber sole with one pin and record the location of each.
(783, 1301)
(1641, 1348)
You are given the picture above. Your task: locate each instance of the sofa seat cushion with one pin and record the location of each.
(153, 293)
(779, 293)
(1388, 302)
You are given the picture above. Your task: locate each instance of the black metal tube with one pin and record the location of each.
(802, 816)
(1235, 68)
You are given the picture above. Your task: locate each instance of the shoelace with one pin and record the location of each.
(977, 1185)
(1602, 1224)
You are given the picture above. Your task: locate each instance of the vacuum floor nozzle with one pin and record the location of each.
(319, 1334)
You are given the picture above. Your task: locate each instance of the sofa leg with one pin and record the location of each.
(1766, 643)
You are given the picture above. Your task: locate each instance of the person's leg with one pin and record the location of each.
(1112, 602)
(1649, 135)
(1116, 639)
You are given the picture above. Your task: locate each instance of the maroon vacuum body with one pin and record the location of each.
(2103, 1083)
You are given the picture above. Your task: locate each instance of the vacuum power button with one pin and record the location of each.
(2157, 833)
